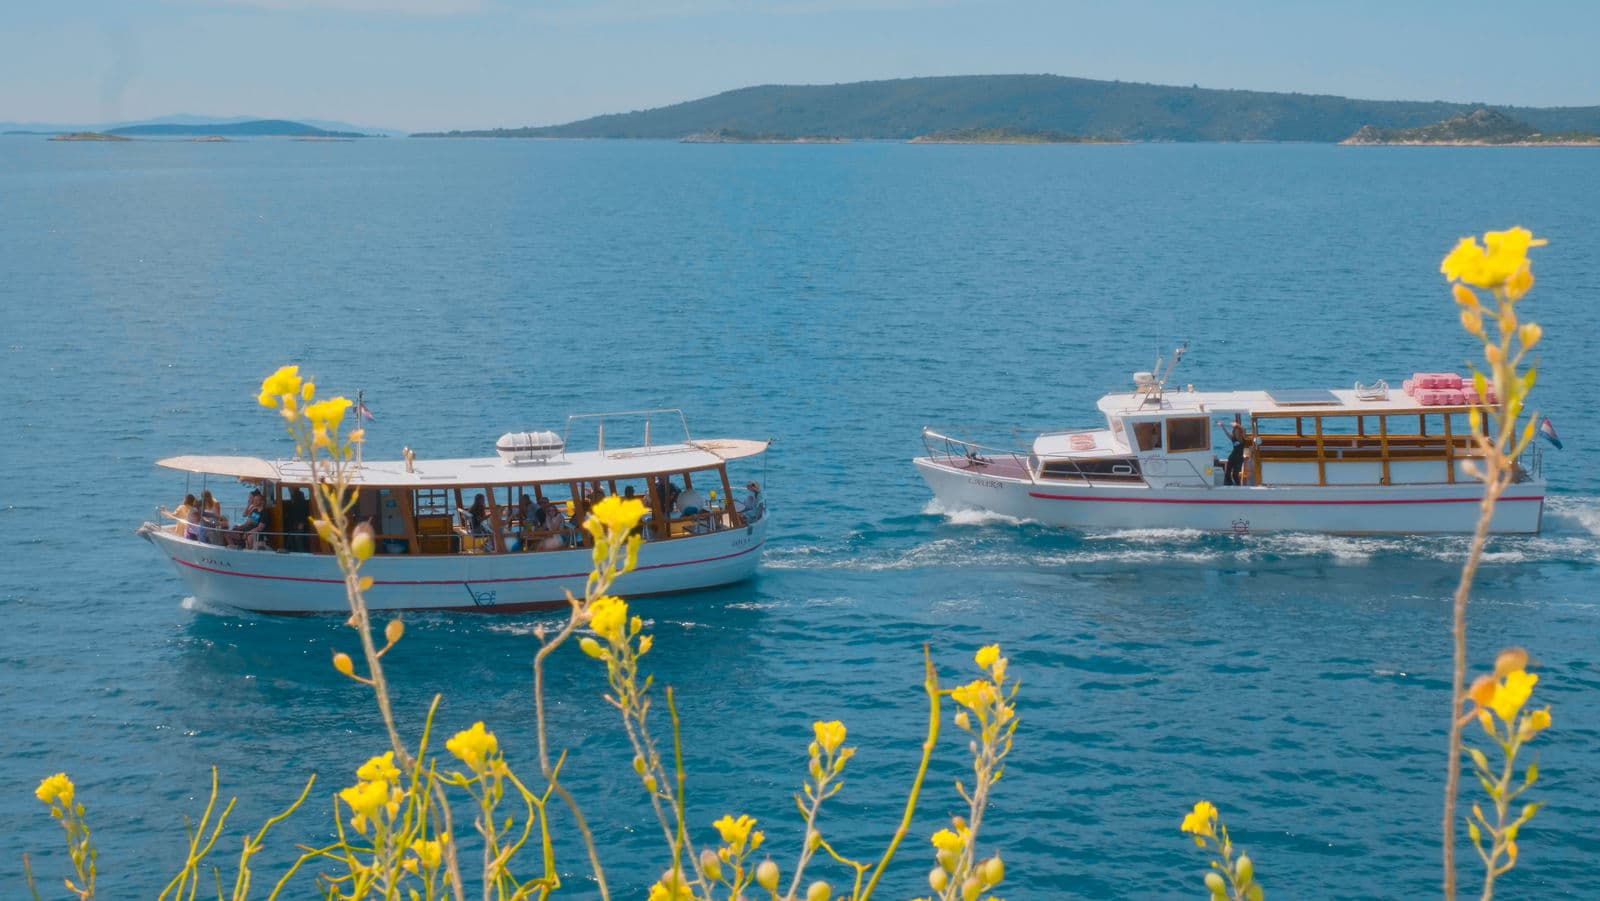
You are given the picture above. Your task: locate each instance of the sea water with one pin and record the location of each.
(834, 298)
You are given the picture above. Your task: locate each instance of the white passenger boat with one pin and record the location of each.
(1362, 460)
(436, 551)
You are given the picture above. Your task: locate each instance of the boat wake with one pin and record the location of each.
(986, 540)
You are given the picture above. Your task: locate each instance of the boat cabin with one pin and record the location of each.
(1313, 437)
(532, 497)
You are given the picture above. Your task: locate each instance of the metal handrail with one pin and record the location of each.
(683, 422)
(971, 451)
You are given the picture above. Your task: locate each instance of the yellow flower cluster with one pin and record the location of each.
(951, 848)
(283, 389)
(1505, 692)
(672, 886)
(376, 796)
(1500, 262)
(428, 854)
(56, 791)
(475, 747)
(1229, 878)
(736, 834)
(1201, 822)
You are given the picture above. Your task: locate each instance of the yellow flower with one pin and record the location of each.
(1202, 821)
(608, 616)
(830, 735)
(988, 655)
(735, 832)
(1539, 720)
(671, 887)
(1500, 259)
(327, 414)
(953, 842)
(380, 768)
(618, 515)
(367, 798)
(55, 789)
(474, 746)
(428, 852)
(284, 382)
(977, 695)
(1512, 693)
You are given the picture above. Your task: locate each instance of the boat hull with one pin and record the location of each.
(275, 582)
(1339, 509)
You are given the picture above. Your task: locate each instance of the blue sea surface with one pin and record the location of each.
(835, 298)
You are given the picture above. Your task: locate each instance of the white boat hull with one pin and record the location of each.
(1342, 509)
(273, 582)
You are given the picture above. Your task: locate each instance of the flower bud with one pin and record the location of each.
(962, 720)
(1510, 659)
(649, 783)
(394, 630)
(819, 891)
(361, 544)
(971, 889)
(767, 875)
(342, 663)
(1493, 354)
(1529, 334)
(592, 648)
(1215, 884)
(938, 879)
(1244, 870)
(991, 871)
(1472, 322)
(710, 865)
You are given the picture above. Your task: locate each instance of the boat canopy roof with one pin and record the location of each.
(1275, 402)
(617, 463)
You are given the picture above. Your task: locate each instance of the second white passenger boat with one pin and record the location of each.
(1361, 460)
(703, 529)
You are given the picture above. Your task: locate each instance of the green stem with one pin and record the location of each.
(931, 685)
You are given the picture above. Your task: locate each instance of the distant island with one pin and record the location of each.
(904, 109)
(259, 128)
(729, 136)
(89, 136)
(1480, 127)
(1006, 136)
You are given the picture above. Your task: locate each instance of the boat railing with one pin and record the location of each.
(952, 450)
(1529, 464)
(647, 417)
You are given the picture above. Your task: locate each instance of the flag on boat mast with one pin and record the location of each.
(1549, 432)
(361, 407)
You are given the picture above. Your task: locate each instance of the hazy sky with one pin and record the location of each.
(440, 64)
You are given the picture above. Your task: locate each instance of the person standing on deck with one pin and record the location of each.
(1231, 474)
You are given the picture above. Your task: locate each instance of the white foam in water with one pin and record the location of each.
(969, 517)
(1572, 514)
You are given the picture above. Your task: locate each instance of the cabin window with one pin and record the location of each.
(1147, 435)
(1188, 435)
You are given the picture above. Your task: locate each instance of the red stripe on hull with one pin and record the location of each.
(1267, 501)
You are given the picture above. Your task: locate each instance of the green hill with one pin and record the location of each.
(260, 128)
(905, 108)
(1481, 126)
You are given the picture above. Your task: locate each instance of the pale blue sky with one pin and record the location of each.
(440, 64)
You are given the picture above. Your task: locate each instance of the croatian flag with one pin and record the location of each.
(1549, 432)
(361, 407)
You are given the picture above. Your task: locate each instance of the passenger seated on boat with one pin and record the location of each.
(690, 502)
(751, 505)
(215, 525)
(252, 522)
(193, 529)
(524, 514)
(666, 493)
(476, 519)
(180, 516)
